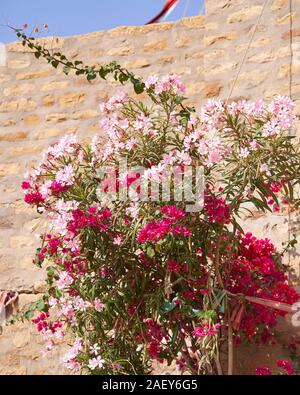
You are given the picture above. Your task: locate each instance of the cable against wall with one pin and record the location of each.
(247, 49)
(290, 130)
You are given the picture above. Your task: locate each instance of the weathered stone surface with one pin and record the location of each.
(18, 105)
(48, 101)
(32, 120)
(72, 99)
(7, 169)
(13, 370)
(21, 339)
(18, 64)
(261, 42)
(284, 71)
(279, 4)
(137, 64)
(46, 133)
(57, 117)
(294, 33)
(220, 68)
(54, 86)
(32, 75)
(212, 89)
(122, 51)
(297, 108)
(155, 46)
(4, 78)
(222, 37)
(21, 241)
(19, 89)
(86, 114)
(182, 42)
(39, 287)
(27, 150)
(245, 14)
(15, 136)
(286, 19)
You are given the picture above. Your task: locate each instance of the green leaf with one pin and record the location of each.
(103, 73)
(139, 87)
(37, 261)
(79, 72)
(40, 305)
(150, 252)
(55, 63)
(29, 314)
(167, 307)
(91, 76)
(66, 70)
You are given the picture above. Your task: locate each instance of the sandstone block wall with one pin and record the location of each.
(38, 104)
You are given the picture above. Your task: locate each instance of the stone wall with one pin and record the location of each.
(38, 104)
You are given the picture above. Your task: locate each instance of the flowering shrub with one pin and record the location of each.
(140, 277)
(283, 364)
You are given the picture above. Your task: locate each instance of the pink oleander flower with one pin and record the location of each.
(66, 175)
(97, 362)
(118, 240)
(244, 153)
(70, 356)
(95, 349)
(264, 168)
(166, 83)
(67, 145)
(64, 281)
(99, 306)
(152, 80)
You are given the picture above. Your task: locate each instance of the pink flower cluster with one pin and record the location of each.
(167, 83)
(157, 230)
(206, 329)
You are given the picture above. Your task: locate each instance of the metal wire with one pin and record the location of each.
(247, 49)
(290, 130)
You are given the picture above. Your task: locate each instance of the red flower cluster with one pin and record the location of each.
(43, 325)
(34, 198)
(57, 188)
(216, 209)
(94, 218)
(154, 334)
(286, 365)
(280, 363)
(262, 371)
(258, 272)
(157, 230)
